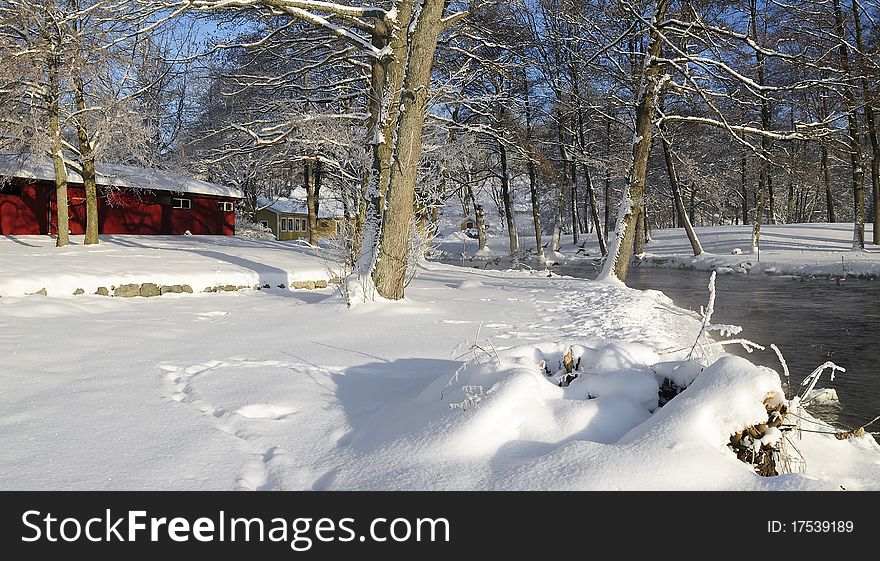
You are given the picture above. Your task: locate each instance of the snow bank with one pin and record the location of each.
(276, 389)
(33, 263)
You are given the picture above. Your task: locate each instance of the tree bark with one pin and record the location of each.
(573, 193)
(564, 187)
(607, 193)
(54, 110)
(745, 190)
(639, 240)
(479, 217)
(679, 203)
(869, 121)
(87, 164)
(386, 80)
(310, 180)
(533, 177)
(591, 192)
(826, 169)
(389, 273)
(536, 211)
(855, 143)
(620, 253)
(508, 204)
(764, 181)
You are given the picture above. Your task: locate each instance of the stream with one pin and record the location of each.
(811, 321)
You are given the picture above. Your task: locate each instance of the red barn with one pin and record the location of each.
(131, 200)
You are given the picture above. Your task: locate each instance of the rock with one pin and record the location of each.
(208, 289)
(102, 291)
(321, 284)
(736, 251)
(170, 289)
(186, 288)
(308, 285)
(266, 285)
(229, 288)
(149, 289)
(127, 290)
(41, 292)
(281, 285)
(78, 291)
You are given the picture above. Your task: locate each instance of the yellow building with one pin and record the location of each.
(288, 218)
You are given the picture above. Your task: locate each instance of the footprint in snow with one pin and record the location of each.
(265, 411)
(234, 395)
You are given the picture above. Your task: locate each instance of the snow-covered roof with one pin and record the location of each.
(34, 167)
(296, 204)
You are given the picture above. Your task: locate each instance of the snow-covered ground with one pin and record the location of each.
(33, 263)
(791, 249)
(290, 389)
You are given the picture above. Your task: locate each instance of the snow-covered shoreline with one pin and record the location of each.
(791, 249)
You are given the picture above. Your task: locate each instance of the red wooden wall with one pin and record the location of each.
(120, 211)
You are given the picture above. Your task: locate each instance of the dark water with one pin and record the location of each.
(811, 321)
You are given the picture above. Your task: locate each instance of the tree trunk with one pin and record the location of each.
(87, 164)
(607, 193)
(386, 80)
(536, 211)
(533, 177)
(389, 273)
(508, 204)
(764, 181)
(621, 250)
(855, 143)
(826, 170)
(563, 190)
(594, 211)
(560, 214)
(639, 240)
(479, 217)
(573, 192)
(54, 109)
(745, 190)
(869, 121)
(692, 206)
(591, 193)
(679, 203)
(310, 166)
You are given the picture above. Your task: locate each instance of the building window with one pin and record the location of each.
(264, 223)
(181, 203)
(225, 206)
(283, 222)
(10, 190)
(300, 225)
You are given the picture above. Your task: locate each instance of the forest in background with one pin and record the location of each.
(600, 116)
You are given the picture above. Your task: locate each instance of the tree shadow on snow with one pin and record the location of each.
(382, 400)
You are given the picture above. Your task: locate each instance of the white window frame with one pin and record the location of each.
(225, 206)
(181, 203)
